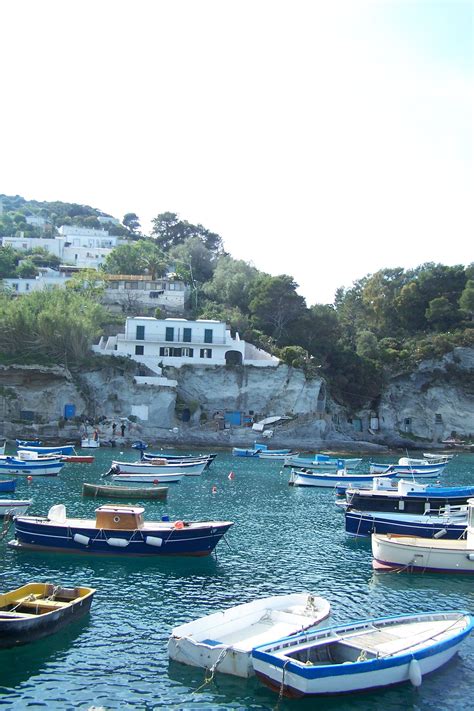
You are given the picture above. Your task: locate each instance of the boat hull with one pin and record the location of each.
(148, 467)
(63, 449)
(331, 479)
(148, 478)
(19, 629)
(370, 670)
(8, 485)
(430, 471)
(410, 504)
(364, 523)
(393, 553)
(30, 468)
(194, 539)
(13, 507)
(125, 492)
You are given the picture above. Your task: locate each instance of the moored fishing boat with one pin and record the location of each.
(78, 458)
(223, 640)
(256, 450)
(407, 496)
(62, 449)
(322, 461)
(116, 529)
(160, 466)
(450, 525)
(40, 609)
(125, 492)
(13, 507)
(7, 485)
(404, 468)
(340, 478)
(413, 553)
(34, 467)
(144, 477)
(362, 655)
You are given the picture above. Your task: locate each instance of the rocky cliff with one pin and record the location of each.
(417, 409)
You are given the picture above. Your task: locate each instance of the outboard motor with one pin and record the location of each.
(114, 469)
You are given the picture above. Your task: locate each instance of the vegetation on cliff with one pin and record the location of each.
(389, 320)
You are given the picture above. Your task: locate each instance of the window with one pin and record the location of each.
(208, 335)
(438, 418)
(206, 353)
(188, 352)
(169, 334)
(186, 335)
(140, 333)
(139, 350)
(164, 351)
(27, 286)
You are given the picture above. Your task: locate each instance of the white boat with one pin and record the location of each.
(156, 466)
(224, 640)
(90, 443)
(341, 478)
(425, 470)
(322, 461)
(362, 655)
(162, 478)
(13, 507)
(36, 467)
(275, 456)
(413, 553)
(433, 455)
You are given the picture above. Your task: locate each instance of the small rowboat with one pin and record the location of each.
(13, 507)
(362, 655)
(39, 609)
(125, 492)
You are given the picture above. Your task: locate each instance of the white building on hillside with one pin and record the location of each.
(176, 342)
(46, 278)
(124, 292)
(80, 246)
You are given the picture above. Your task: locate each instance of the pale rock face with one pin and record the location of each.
(434, 401)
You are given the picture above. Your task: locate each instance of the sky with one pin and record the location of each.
(324, 140)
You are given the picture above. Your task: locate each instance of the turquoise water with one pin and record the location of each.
(284, 539)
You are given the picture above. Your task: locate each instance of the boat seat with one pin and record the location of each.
(7, 614)
(49, 604)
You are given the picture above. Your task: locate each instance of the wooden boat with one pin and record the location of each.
(413, 553)
(78, 458)
(340, 478)
(404, 468)
(322, 461)
(144, 478)
(362, 655)
(256, 449)
(447, 525)
(40, 609)
(407, 496)
(176, 459)
(13, 507)
(160, 466)
(34, 467)
(8, 485)
(223, 641)
(125, 492)
(116, 529)
(62, 449)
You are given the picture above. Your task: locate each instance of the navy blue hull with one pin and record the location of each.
(361, 523)
(199, 541)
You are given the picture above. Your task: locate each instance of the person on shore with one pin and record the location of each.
(114, 427)
(122, 428)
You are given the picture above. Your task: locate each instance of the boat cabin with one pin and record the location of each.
(126, 518)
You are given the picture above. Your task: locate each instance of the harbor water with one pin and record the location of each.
(285, 539)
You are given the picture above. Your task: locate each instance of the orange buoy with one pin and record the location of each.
(179, 524)
(29, 478)
(155, 481)
(214, 489)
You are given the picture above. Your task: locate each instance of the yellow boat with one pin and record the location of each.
(40, 609)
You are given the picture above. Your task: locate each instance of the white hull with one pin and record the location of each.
(15, 507)
(361, 656)
(90, 443)
(331, 479)
(148, 468)
(223, 641)
(148, 478)
(328, 465)
(413, 553)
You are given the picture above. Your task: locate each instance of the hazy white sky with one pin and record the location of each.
(325, 140)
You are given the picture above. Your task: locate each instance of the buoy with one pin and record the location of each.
(29, 478)
(231, 475)
(214, 489)
(414, 673)
(155, 481)
(179, 524)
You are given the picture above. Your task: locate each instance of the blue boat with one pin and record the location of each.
(28, 443)
(63, 449)
(364, 523)
(117, 529)
(323, 461)
(8, 485)
(30, 467)
(362, 655)
(256, 449)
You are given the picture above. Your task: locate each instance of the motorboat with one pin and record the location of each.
(125, 492)
(322, 461)
(449, 524)
(340, 478)
(160, 466)
(13, 507)
(118, 529)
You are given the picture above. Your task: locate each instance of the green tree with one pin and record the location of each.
(131, 222)
(367, 345)
(231, 282)
(8, 261)
(27, 269)
(275, 305)
(466, 301)
(169, 231)
(441, 313)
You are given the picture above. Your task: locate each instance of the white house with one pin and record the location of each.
(176, 342)
(126, 291)
(46, 278)
(81, 246)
